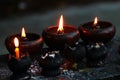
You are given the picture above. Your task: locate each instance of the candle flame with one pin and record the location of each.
(60, 28)
(23, 34)
(95, 21)
(16, 42)
(17, 53)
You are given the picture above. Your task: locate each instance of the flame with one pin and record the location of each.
(60, 28)
(17, 52)
(16, 42)
(23, 34)
(95, 21)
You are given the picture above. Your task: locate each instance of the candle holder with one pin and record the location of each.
(96, 54)
(32, 44)
(19, 67)
(50, 61)
(101, 32)
(56, 40)
(76, 52)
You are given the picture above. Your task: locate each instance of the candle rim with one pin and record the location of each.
(30, 42)
(65, 26)
(90, 23)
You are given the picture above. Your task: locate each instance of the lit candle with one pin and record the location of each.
(17, 52)
(29, 42)
(97, 31)
(19, 63)
(60, 35)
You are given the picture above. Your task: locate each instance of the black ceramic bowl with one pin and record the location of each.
(96, 54)
(76, 52)
(50, 59)
(32, 45)
(19, 66)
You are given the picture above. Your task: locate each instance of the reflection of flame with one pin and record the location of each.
(97, 45)
(43, 57)
(23, 34)
(16, 42)
(95, 21)
(52, 55)
(60, 28)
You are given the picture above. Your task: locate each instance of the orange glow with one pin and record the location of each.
(23, 34)
(95, 21)
(60, 28)
(17, 52)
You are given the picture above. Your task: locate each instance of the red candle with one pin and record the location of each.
(57, 37)
(97, 31)
(29, 42)
(17, 52)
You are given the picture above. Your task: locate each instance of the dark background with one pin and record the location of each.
(11, 7)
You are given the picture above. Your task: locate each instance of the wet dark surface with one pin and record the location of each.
(110, 70)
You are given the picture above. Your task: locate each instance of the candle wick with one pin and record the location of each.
(24, 38)
(60, 32)
(95, 26)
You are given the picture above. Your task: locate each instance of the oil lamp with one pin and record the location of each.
(19, 63)
(57, 37)
(97, 31)
(30, 42)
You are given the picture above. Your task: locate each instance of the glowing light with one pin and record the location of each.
(60, 28)
(23, 34)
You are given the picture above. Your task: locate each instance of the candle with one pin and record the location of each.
(57, 37)
(19, 63)
(30, 42)
(16, 42)
(97, 31)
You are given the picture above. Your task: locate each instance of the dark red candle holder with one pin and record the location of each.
(90, 33)
(56, 40)
(32, 44)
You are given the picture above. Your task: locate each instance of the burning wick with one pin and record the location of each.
(95, 24)
(60, 29)
(23, 34)
(17, 52)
